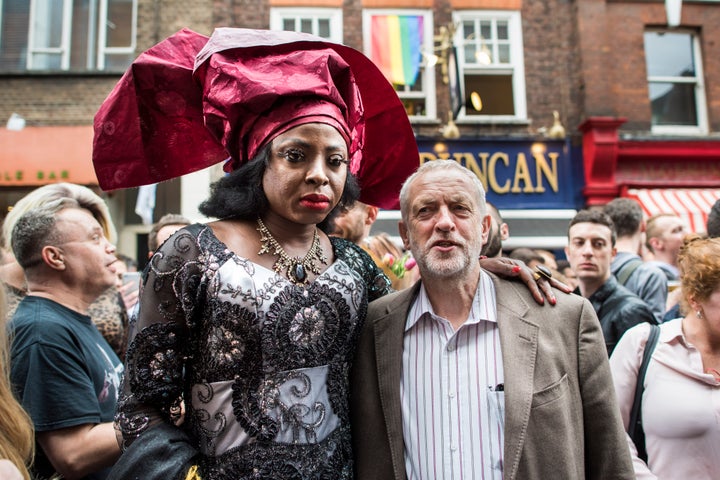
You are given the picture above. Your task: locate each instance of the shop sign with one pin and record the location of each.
(21, 177)
(516, 174)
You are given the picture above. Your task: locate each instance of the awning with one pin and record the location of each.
(36, 156)
(691, 204)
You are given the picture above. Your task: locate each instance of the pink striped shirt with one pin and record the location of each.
(452, 392)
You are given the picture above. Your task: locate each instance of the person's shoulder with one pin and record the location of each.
(351, 253)
(41, 321)
(627, 301)
(387, 302)
(564, 300)
(635, 336)
(341, 245)
(622, 292)
(648, 270)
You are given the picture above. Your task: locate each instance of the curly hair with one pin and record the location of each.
(239, 195)
(699, 268)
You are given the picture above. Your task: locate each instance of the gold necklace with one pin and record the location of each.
(296, 268)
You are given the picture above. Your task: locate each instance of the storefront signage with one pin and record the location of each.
(36, 156)
(516, 174)
(670, 172)
(21, 176)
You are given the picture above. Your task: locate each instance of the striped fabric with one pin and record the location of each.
(451, 392)
(691, 204)
(395, 46)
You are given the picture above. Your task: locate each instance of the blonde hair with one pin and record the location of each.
(85, 197)
(699, 268)
(17, 439)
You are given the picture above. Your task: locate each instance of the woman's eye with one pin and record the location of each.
(293, 155)
(336, 161)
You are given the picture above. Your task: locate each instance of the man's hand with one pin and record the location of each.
(540, 285)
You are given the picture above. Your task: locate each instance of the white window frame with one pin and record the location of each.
(95, 60)
(63, 50)
(428, 74)
(700, 104)
(103, 49)
(516, 68)
(334, 15)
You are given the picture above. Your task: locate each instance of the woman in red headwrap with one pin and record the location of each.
(251, 321)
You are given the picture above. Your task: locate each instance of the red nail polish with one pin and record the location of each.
(516, 269)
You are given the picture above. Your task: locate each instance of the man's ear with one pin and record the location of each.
(402, 228)
(486, 222)
(371, 214)
(655, 243)
(53, 257)
(504, 231)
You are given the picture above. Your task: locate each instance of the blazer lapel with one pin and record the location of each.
(389, 332)
(518, 340)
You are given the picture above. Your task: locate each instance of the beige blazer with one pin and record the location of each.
(561, 416)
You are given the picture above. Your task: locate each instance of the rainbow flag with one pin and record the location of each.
(396, 42)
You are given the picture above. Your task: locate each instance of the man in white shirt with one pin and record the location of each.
(464, 375)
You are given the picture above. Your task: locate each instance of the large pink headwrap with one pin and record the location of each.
(191, 102)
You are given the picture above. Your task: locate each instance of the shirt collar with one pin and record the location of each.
(483, 305)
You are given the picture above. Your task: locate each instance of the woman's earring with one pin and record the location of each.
(699, 314)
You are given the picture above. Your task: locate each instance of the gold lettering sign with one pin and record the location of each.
(516, 174)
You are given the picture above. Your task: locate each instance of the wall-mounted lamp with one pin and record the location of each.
(557, 131)
(450, 130)
(441, 51)
(445, 43)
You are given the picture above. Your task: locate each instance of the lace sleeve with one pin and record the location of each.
(160, 336)
(376, 281)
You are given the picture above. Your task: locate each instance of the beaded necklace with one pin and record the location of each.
(296, 268)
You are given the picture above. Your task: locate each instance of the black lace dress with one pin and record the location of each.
(262, 364)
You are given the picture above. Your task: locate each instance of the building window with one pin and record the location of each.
(67, 35)
(400, 42)
(489, 49)
(675, 87)
(322, 22)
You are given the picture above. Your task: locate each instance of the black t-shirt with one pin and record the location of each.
(63, 371)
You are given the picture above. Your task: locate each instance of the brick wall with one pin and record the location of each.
(54, 100)
(613, 57)
(583, 58)
(70, 99)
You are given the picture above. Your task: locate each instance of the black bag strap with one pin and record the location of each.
(626, 270)
(635, 428)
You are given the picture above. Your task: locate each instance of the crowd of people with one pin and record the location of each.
(284, 339)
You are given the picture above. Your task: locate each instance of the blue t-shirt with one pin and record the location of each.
(63, 370)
